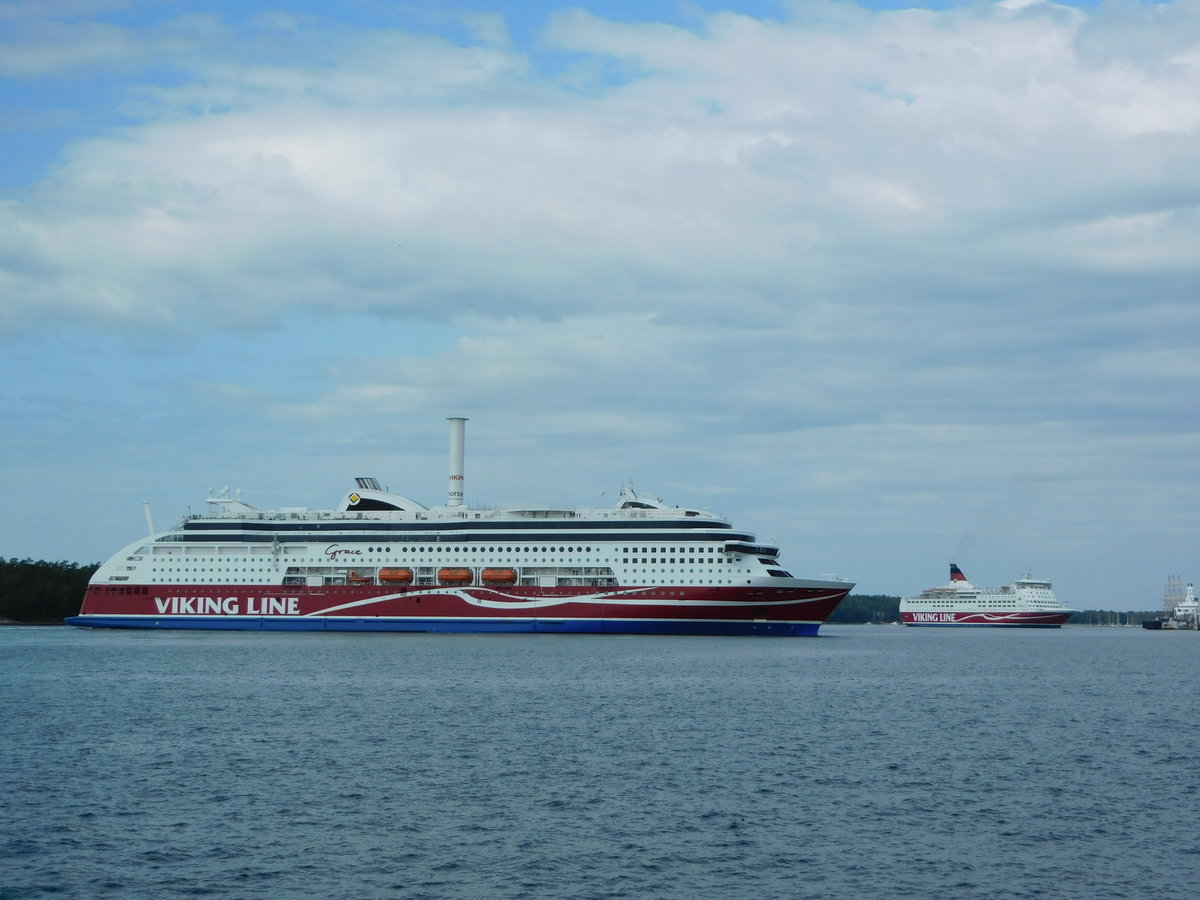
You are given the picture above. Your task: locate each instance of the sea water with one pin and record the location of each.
(873, 761)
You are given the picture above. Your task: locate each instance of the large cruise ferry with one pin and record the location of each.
(381, 561)
(1027, 602)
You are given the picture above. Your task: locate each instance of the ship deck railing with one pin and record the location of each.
(439, 515)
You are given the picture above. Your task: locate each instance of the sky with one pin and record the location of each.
(890, 286)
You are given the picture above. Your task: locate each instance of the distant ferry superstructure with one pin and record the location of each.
(1027, 602)
(383, 562)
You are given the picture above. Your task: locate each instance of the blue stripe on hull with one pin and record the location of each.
(454, 626)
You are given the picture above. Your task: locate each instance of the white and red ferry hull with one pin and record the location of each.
(1006, 619)
(792, 611)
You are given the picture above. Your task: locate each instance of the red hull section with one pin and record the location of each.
(469, 608)
(1030, 619)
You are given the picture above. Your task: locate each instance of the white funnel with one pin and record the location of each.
(458, 432)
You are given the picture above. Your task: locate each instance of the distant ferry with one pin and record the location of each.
(380, 561)
(1026, 603)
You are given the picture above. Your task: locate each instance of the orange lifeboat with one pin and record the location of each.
(356, 578)
(454, 576)
(396, 576)
(499, 576)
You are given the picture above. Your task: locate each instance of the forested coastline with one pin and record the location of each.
(857, 609)
(44, 593)
(37, 592)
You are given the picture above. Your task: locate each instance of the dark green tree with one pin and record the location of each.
(40, 592)
(859, 608)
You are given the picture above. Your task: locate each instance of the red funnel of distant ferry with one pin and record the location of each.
(956, 573)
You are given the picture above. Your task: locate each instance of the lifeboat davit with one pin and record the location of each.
(454, 576)
(396, 576)
(499, 576)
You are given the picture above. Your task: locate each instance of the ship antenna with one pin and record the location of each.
(149, 520)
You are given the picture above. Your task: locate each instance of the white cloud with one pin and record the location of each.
(826, 143)
(867, 259)
(55, 48)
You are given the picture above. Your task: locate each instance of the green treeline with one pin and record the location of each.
(1112, 617)
(41, 593)
(859, 608)
(45, 593)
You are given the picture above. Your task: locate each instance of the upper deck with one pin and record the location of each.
(635, 520)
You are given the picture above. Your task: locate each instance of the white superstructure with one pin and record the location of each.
(382, 561)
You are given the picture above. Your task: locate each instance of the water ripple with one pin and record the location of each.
(872, 762)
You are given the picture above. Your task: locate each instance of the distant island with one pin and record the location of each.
(44, 593)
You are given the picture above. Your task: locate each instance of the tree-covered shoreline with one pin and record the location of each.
(37, 592)
(858, 609)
